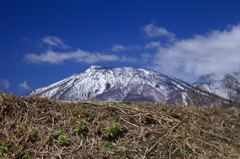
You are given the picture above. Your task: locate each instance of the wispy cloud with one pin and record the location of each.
(152, 30)
(54, 41)
(78, 56)
(217, 51)
(146, 57)
(153, 44)
(24, 85)
(5, 83)
(26, 39)
(117, 48)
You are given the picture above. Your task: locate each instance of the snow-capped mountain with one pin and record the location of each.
(117, 84)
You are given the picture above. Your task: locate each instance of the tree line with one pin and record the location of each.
(227, 94)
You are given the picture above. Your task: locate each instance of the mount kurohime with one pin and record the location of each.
(117, 84)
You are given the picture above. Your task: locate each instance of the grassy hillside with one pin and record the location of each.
(33, 127)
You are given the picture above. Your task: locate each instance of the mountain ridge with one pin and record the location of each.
(115, 84)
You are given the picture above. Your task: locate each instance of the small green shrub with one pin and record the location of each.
(63, 140)
(88, 112)
(72, 111)
(19, 127)
(170, 122)
(50, 140)
(108, 145)
(184, 134)
(60, 132)
(4, 147)
(80, 125)
(163, 132)
(113, 129)
(25, 155)
(188, 149)
(128, 154)
(144, 149)
(34, 129)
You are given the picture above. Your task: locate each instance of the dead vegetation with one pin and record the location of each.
(32, 127)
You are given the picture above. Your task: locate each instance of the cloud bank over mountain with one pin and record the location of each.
(54, 57)
(216, 51)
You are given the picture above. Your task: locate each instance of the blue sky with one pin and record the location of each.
(45, 41)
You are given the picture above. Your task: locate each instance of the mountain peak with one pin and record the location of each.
(115, 84)
(95, 66)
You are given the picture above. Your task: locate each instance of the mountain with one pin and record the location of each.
(117, 84)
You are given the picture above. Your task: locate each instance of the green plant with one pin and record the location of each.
(172, 136)
(188, 149)
(63, 140)
(34, 129)
(177, 153)
(128, 154)
(25, 155)
(184, 134)
(169, 122)
(59, 132)
(72, 111)
(4, 147)
(80, 125)
(80, 104)
(88, 112)
(163, 132)
(227, 131)
(166, 148)
(144, 149)
(79, 139)
(113, 129)
(19, 127)
(108, 145)
(50, 140)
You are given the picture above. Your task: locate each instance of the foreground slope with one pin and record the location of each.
(46, 128)
(115, 84)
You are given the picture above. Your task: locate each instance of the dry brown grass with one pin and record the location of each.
(149, 130)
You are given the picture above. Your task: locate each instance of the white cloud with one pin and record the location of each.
(54, 41)
(117, 48)
(154, 31)
(152, 44)
(79, 56)
(146, 57)
(5, 83)
(24, 85)
(26, 39)
(217, 51)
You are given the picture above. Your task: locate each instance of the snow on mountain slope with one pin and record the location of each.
(115, 84)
